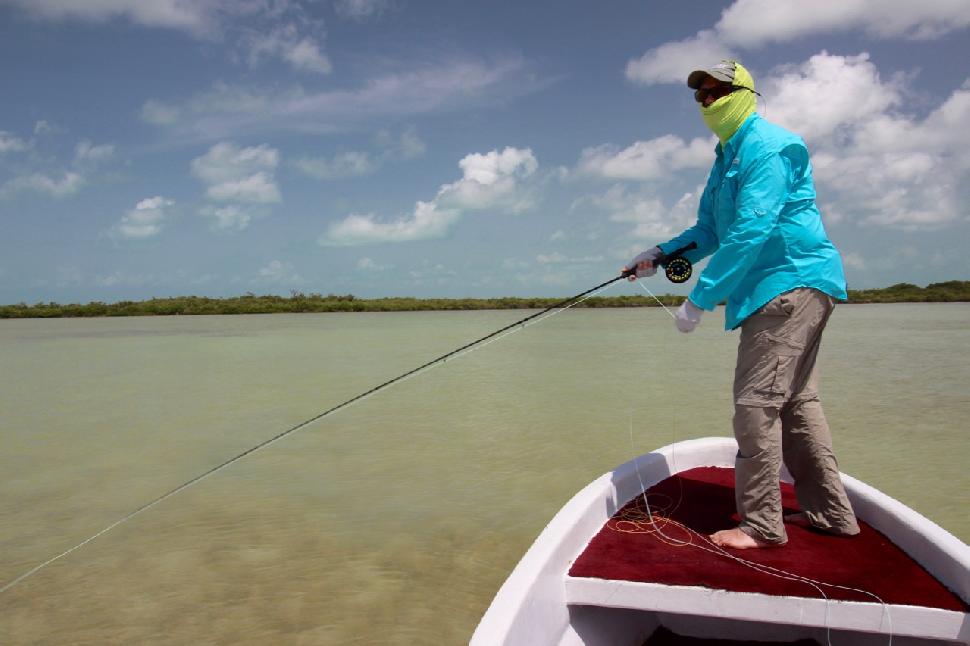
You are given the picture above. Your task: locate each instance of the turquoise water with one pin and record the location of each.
(394, 520)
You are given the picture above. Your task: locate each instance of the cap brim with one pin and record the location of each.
(695, 78)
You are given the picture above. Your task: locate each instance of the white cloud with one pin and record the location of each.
(286, 43)
(653, 220)
(227, 218)
(491, 181)
(192, 16)
(278, 271)
(646, 160)
(11, 144)
(876, 164)
(348, 164)
(750, 24)
(41, 183)
(426, 222)
(427, 88)
(43, 127)
(854, 94)
(283, 29)
(672, 62)
(85, 151)
(146, 220)
(235, 174)
(357, 163)
(258, 188)
(360, 9)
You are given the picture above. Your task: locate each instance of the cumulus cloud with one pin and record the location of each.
(876, 163)
(653, 219)
(11, 144)
(146, 220)
(750, 24)
(492, 180)
(235, 174)
(70, 183)
(646, 160)
(671, 62)
(426, 222)
(240, 179)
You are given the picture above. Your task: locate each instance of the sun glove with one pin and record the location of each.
(688, 316)
(651, 256)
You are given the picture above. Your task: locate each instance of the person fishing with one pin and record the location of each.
(779, 273)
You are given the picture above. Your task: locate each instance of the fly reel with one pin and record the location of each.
(678, 270)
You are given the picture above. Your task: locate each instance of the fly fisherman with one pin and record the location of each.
(779, 273)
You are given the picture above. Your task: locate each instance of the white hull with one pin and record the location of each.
(539, 604)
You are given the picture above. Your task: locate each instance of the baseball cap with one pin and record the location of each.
(727, 71)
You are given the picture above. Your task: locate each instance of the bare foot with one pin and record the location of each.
(739, 540)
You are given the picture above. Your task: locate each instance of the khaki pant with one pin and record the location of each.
(778, 416)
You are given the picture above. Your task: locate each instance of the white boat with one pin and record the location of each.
(546, 602)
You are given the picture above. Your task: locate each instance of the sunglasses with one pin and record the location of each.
(717, 92)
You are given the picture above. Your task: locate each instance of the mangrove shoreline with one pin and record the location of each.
(298, 302)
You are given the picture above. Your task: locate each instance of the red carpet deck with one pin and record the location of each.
(703, 499)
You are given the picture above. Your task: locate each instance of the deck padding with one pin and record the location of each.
(703, 499)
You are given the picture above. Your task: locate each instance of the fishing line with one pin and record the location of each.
(720, 551)
(477, 344)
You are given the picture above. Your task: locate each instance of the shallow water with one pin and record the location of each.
(394, 520)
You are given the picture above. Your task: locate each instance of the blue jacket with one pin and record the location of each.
(758, 218)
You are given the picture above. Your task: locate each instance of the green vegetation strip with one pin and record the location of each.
(950, 291)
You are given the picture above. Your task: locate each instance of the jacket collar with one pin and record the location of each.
(731, 147)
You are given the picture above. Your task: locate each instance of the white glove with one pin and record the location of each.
(649, 256)
(688, 316)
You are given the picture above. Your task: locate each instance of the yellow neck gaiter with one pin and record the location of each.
(726, 115)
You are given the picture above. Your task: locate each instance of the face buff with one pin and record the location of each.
(726, 115)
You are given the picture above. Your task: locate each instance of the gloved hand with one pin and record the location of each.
(646, 263)
(688, 316)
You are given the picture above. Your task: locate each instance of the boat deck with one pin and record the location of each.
(629, 548)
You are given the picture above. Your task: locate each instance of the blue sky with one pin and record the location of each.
(397, 147)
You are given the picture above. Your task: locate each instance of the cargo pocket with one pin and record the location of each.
(782, 377)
